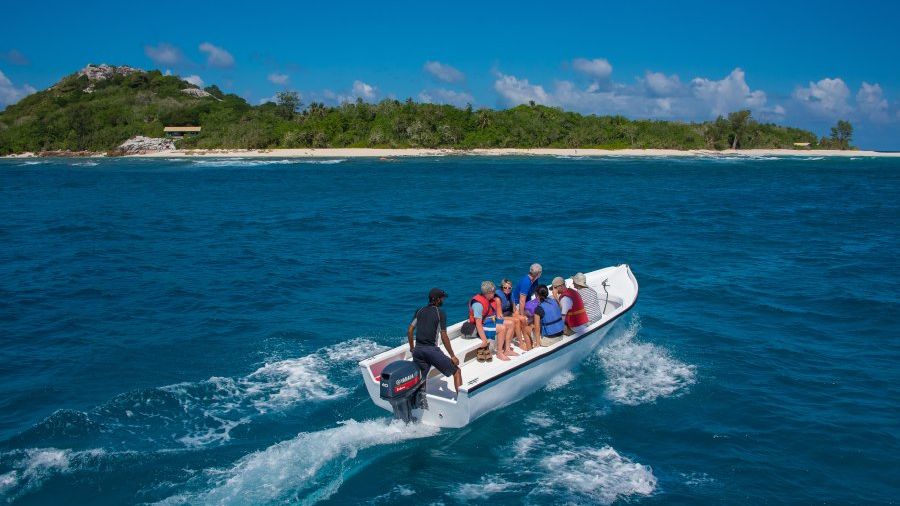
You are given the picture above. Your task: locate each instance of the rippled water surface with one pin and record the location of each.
(186, 332)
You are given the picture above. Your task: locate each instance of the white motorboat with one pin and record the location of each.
(491, 385)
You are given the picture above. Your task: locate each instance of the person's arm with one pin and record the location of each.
(479, 327)
(409, 335)
(446, 340)
(537, 329)
(522, 304)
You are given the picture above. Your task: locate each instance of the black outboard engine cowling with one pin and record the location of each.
(402, 385)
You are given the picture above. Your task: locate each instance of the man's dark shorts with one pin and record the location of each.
(427, 356)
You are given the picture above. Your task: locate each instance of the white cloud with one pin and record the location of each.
(273, 99)
(661, 85)
(164, 54)
(654, 96)
(216, 56)
(871, 102)
(728, 94)
(363, 90)
(445, 96)
(826, 98)
(194, 79)
(444, 72)
(276, 78)
(598, 68)
(9, 93)
(515, 91)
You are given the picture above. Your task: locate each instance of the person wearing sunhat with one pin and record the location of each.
(429, 322)
(571, 305)
(589, 296)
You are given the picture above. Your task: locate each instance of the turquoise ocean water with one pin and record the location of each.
(187, 331)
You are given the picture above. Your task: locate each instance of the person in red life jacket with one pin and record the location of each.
(427, 323)
(571, 306)
(487, 316)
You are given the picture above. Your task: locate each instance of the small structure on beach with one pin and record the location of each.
(181, 131)
(801, 145)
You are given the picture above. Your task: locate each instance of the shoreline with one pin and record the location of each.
(420, 152)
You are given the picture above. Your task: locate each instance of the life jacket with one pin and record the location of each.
(552, 322)
(506, 304)
(529, 308)
(576, 316)
(487, 308)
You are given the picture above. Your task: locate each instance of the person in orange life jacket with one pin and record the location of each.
(571, 306)
(486, 314)
(548, 320)
(427, 323)
(513, 320)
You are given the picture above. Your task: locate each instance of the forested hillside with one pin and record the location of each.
(99, 107)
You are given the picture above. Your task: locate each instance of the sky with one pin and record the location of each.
(804, 64)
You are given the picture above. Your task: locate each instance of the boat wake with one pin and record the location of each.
(306, 469)
(640, 373)
(204, 413)
(547, 468)
(22, 471)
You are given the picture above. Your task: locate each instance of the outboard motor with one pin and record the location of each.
(402, 385)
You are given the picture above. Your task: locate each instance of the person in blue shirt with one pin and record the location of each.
(526, 286)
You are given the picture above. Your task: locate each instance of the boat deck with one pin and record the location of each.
(475, 372)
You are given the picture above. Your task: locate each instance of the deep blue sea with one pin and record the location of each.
(187, 331)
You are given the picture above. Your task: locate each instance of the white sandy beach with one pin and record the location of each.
(412, 152)
(389, 153)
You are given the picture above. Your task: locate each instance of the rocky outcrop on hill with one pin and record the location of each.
(104, 71)
(196, 92)
(140, 144)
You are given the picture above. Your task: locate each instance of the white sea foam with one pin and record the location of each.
(560, 380)
(33, 162)
(220, 404)
(324, 162)
(308, 468)
(638, 373)
(488, 486)
(256, 162)
(85, 164)
(31, 467)
(540, 419)
(551, 468)
(594, 475)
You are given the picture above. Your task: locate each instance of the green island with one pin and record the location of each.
(101, 106)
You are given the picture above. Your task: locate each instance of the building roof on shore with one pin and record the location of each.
(181, 129)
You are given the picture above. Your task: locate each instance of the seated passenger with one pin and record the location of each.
(548, 321)
(571, 306)
(485, 313)
(513, 320)
(589, 296)
(526, 286)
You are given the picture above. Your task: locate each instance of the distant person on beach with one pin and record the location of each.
(485, 313)
(548, 320)
(514, 321)
(589, 296)
(526, 286)
(427, 323)
(571, 306)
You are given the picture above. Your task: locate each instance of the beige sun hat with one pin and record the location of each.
(579, 279)
(558, 282)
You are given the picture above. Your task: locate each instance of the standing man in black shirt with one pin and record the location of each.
(427, 322)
